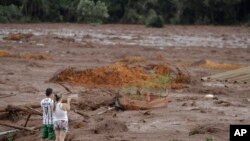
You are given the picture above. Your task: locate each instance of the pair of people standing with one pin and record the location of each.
(55, 118)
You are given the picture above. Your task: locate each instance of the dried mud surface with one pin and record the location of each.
(189, 116)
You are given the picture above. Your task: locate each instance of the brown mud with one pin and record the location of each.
(189, 115)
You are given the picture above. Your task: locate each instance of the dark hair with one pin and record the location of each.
(48, 91)
(56, 99)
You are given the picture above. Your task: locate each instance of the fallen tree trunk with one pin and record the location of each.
(16, 126)
(27, 120)
(109, 109)
(7, 95)
(82, 114)
(31, 105)
(13, 108)
(66, 88)
(34, 111)
(9, 131)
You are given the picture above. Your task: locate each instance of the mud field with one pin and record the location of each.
(36, 56)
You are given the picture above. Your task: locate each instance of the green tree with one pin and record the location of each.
(10, 13)
(154, 20)
(116, 10)
(91, 12)
(126, 11)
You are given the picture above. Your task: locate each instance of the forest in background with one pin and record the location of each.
(149, 12)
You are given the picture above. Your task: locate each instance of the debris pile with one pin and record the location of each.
(146, 101)
(4, 53)
(113, 75)
(33, 56)
(180, 79)
(162, 69)
(159, 57)
(24, 56)
(121, 75)
(18, 36)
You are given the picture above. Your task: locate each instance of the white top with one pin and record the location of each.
(59, 113)
(47, 104)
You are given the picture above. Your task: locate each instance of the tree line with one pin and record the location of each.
(147, 12)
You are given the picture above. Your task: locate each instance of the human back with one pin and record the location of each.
(59, 113)
(47, 103)
(60, 117)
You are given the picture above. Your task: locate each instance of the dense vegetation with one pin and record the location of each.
(149, 12)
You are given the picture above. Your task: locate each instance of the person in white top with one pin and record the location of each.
(60, 117)
(47, 105)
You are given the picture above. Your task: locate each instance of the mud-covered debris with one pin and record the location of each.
(202, 130)
(160, 69)
(4, 53)
(182, 78)
(154, 77)
(113, 75)
(223, 103)
(176, 86)
(159, 57)
(134, 59)
(147, 113)
(18, 36)
(33, 56)
(110, 126)
(214, 65)
(130, 104)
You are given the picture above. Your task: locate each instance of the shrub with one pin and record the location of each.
(154, 20)
(90, 12)
(133, 17)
